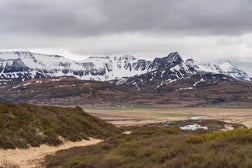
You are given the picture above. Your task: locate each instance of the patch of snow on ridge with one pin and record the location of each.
(165, 82)
(226, 66)
(26, 84)
(3, 65)
(196, 83)
(188, 88)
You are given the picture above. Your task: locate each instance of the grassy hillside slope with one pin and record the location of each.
(23, 125)
(161, 148)
(72, 91)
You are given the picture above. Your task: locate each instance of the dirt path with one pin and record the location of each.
(32, 157)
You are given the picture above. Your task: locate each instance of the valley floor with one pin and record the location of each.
(32, 157)
(141, 115)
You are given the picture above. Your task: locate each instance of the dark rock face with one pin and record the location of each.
(166, 62)
(16, 66)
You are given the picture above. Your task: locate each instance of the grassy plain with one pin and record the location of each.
(141, 115)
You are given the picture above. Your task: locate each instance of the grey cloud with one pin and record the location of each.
(186, 16)
(96, 17)
(211, 30)
(47, 17)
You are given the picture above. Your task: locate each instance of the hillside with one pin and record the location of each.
(198, 90)
(157, 147)
(64, 91)
(24, 125)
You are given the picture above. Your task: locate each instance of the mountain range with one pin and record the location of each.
(22, 65)
(27, 77)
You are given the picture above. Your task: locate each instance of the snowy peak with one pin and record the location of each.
(204, 67)
(174, 57)
(226, 68)
(231, 70)
(164, 71)
(171, 60)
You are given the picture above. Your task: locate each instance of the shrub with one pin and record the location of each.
(24, 125)
(161, 148)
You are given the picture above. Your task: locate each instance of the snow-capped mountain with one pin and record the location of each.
(225, 68)
(26, 65)
(228, 68)
(163, 71)
(173, 73)
(114, 67)
(20, 66)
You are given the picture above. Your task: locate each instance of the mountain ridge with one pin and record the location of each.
(25, 65)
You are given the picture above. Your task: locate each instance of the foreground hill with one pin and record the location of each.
(157, 147)
(23, 125)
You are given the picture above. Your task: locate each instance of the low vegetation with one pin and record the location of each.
(162, 147)
(23, 125)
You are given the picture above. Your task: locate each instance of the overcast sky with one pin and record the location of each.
(207, 30)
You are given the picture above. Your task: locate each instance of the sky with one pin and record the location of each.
(207, 30)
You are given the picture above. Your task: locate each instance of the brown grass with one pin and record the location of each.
(162, 147)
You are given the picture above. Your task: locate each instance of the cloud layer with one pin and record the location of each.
(96, 17)
(215, 30)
